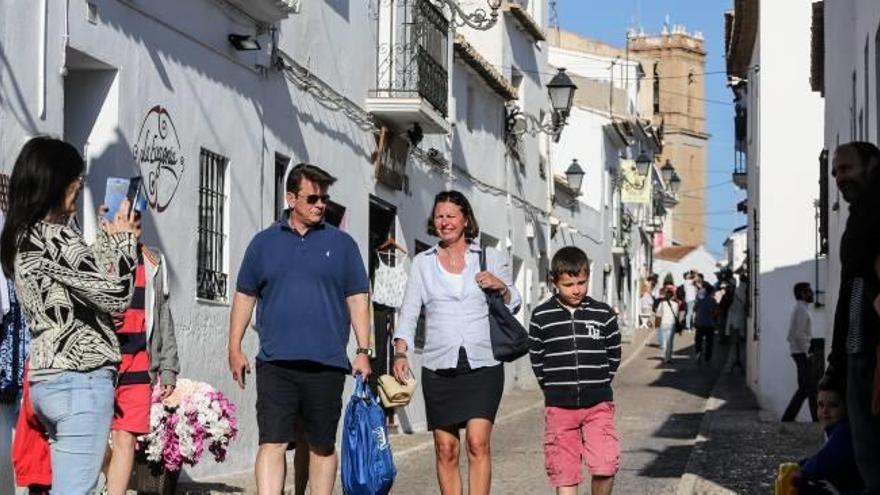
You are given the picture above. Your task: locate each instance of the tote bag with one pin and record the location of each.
(367, 464)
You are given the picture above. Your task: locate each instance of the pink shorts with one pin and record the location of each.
(575, 434)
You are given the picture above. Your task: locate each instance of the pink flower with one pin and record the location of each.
(195, 418)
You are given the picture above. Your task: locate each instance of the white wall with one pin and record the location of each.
(786, 181)
(848, 25)
(176, 55)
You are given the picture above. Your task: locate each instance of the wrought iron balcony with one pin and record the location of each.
(412, 73)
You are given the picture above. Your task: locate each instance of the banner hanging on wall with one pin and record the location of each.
(634, 188)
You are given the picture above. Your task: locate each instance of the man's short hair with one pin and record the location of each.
(868, 153)
(799, 289)
(569, 260)
(312, 173)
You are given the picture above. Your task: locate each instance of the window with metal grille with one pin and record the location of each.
(211, 269)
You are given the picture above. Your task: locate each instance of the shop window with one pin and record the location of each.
(211, 268)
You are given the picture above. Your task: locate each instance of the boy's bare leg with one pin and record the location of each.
(602, 485)
(121, 461)
(567, 490)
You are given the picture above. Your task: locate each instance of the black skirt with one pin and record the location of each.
(453, 396)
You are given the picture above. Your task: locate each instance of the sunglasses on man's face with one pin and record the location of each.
(313, 198)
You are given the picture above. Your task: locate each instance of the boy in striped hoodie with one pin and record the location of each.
(575, 353)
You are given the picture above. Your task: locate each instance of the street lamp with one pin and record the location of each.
(575, 176)
(666, 171)
(478, 19)
(643, 164)
(674, 182)
(561, 90)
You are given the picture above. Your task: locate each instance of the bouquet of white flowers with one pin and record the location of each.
(195, 418)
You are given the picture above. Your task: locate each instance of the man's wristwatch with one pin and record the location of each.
(364, 350)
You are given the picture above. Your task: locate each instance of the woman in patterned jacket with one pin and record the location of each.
(68, 290)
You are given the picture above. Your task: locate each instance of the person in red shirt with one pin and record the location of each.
(149, 357)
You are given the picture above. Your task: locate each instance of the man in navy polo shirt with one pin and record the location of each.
(309, 281)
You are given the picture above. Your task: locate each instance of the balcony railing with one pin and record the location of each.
(413, 54)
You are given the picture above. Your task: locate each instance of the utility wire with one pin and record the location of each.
(710, 186)
(705, 226)
(707, 213)
(650, 78)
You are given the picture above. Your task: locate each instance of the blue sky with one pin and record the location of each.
(608, 21)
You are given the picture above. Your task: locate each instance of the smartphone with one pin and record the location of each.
(119, 189)
(134, 192)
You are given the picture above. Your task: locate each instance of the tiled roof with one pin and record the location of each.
(674, 253)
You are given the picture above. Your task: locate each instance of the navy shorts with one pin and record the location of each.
(290, 391)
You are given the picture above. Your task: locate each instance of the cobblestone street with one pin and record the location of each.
(659, 409)
(663, 411)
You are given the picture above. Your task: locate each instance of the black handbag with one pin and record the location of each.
(510, 341)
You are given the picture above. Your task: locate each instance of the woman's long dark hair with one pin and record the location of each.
(43, 171)
(472, 230)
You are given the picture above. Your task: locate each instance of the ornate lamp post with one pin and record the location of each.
(479, 19)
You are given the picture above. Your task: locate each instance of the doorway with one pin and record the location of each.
(383, 223)
(91, 125)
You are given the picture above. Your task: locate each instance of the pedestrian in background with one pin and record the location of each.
(854, 346)
(704, 319)
(800, 333)
(575, 354)
(69, 291)
(688, 294)
(312, 289)
(667, 320)
(461, 380)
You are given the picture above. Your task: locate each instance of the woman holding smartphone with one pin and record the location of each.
(68, 290)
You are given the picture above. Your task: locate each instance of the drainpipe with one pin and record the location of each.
(44, 21)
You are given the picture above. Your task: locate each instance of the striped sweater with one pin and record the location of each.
(575, 355)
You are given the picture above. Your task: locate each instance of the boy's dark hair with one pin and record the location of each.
(313, 173)
(569, 260)
(472, 229)
(799, 289)
(828, 384)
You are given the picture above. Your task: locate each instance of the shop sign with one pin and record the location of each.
(158, 155)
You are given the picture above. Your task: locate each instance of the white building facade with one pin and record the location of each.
(612, 216)
(767, 69)
(156, 88)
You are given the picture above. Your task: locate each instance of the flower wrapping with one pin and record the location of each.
(193, 419)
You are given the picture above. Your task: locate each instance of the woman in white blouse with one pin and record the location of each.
(461, 380)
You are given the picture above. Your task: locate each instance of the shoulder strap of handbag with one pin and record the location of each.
(482, 259)
(674, 313)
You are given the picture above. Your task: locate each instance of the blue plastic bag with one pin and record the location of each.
(367, 463)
